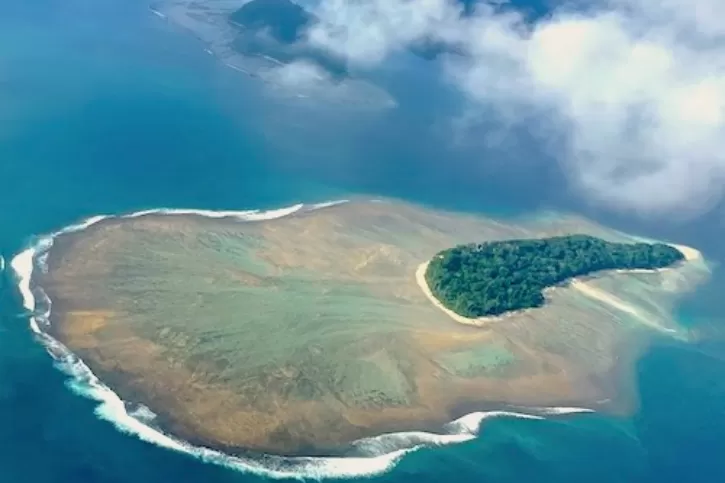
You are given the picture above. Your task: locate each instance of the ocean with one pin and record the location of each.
(106, 108)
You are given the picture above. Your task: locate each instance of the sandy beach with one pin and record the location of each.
(420, 278)
(691, 254)
(477, 322)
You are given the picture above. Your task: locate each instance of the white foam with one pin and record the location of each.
(238, 69)
(328, 204)
(143, 414)
(249, 215)
(372, 456)
(561, 411)
(24, 263)
(391, 442)
(460, 430)
(111, 408)
(470, 423)
(157, 13)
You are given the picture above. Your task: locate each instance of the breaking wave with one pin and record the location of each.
(366, 457)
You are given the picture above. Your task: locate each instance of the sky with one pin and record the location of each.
(627, 95)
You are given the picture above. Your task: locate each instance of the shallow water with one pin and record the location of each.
(306, 327)
(105, 109)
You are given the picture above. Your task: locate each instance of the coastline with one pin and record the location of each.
(374, 455)
(139, 421)
(691, 254)
(477, 322)
(371, 456)
(423, 284)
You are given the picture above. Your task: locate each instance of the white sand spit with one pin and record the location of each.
(423, 284)
(691, 254)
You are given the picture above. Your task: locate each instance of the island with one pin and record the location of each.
(481, 279)
(300, 334)
(284, 20)
(275, 29)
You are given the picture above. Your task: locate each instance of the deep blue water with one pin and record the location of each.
(105, 108)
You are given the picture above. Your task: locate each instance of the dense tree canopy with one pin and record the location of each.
(282, 19)
(276, 29)
(497, 277)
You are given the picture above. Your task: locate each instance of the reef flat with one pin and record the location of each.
(300, 334)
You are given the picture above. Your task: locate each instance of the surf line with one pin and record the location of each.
(370, 456)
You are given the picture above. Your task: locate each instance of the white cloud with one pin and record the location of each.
(298, 74)
(634, 89)
(304, 79)
(368, 31)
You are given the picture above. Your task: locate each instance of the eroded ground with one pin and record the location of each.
(299, 334)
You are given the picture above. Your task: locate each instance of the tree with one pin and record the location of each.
(492, 278)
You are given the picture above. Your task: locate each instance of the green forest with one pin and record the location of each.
(492, 278)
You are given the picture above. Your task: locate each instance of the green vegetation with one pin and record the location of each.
(493, 278)
(276, 29)
(284, 20)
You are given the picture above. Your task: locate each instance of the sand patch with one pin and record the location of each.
(476, 322)
(690, 254)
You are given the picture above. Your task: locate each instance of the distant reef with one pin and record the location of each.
(284, 20)
(483, 279)
(273, 28)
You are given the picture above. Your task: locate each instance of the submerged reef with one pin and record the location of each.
(302, 334)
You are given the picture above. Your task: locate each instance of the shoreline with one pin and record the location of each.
(377, 454)
(423, 284)
(477, 322)
(383, 451)
(691, 255)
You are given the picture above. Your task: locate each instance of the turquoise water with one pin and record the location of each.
(105, 108)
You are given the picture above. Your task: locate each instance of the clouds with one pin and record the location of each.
(629, 94)
(366, 32)
(306, 80)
